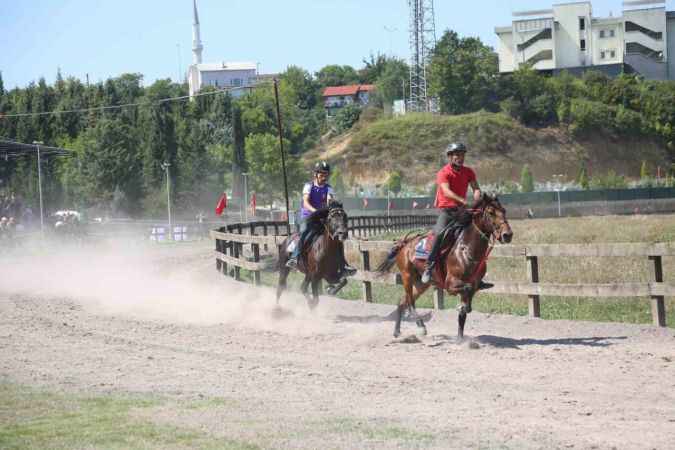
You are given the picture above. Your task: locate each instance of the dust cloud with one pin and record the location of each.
(153, 282)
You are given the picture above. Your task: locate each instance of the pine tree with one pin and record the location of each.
(526, 180)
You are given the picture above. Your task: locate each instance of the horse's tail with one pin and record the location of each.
(390, 260)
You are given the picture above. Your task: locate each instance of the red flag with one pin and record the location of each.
(222, 204)
(414, 204)
(253, 202)
(365, 202)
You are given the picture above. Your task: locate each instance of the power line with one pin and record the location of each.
(127, 105)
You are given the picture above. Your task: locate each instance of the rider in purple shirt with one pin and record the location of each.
(316, 195)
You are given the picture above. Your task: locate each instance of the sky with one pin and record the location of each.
(105, 38)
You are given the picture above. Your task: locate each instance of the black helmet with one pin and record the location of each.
(322, 166)
(455, 147)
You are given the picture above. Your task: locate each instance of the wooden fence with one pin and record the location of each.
(232, 239)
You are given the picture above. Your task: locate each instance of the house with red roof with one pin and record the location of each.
(336, 97)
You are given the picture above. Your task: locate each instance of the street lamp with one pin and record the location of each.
(165, 166)
(39, 166)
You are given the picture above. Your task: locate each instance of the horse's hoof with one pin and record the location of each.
(422, 331)
(397, 334)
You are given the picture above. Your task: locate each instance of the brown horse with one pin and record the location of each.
(459, 269)
(323, 258)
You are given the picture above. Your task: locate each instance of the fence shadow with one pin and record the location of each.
(504, 342)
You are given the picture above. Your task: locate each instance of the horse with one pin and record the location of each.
(459, 269)
(320, 259)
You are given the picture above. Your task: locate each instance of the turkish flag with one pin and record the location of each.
(222, 204)
(253, 202)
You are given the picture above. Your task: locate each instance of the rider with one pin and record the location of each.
(316, 194)
(453, 181)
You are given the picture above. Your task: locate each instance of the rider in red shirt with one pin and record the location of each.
(453, 180)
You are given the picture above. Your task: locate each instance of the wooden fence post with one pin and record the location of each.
(219, 263)
(658, 304)
(439, 298)
(265, 247)
(256, 258)
(237, 247)
(367, 285)
(533, 274)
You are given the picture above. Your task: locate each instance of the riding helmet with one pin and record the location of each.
(455, 147)
(322, 166)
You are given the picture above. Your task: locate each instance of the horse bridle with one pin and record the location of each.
(493, 233)
(331, 214)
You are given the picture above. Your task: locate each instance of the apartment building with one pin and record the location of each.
(568, 37)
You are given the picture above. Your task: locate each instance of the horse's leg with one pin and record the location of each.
(305, 285)
(281, 285)
(463, 309)
(315, 293)
(407, 278)
(417, 291)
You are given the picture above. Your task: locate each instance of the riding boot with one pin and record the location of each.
(484, 285)
(428, 271)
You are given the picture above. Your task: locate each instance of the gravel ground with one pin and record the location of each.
(161, 321)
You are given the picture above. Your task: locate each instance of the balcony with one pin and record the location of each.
(636, 47)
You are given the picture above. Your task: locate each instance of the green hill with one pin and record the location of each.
(499, 147)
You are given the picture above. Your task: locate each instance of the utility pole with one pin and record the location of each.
(283, 157)
(165, 166)
(39, 166)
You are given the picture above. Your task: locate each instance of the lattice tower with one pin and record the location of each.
(422, 43)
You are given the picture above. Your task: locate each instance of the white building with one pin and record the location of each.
(238, 76)
(568, 37)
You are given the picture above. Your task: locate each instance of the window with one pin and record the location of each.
(611, 33)
(582, 44)
(582, 23)
(612, 54)
(602, 55)
(602, 33)
(236, 82)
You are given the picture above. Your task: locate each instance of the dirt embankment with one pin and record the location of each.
(111, 321)
(499, 148)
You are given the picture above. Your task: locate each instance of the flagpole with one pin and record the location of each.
(283, 157)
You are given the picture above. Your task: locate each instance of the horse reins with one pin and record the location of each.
(490, 239)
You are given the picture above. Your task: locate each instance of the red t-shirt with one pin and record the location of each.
(458, 180)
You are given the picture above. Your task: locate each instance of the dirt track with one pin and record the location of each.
(333, 378)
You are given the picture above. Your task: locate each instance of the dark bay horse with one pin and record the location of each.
(322, 259)
(459, 269)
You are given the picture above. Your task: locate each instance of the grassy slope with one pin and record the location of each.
(499, 145)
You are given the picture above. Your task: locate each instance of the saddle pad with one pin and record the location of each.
(421, 251)
(292, 243)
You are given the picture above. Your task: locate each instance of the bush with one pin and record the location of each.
(347, 117)
(586, 116)
(627, 121)
(526, 180)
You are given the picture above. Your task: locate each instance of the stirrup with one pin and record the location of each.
(428, 271)
(292, 263)
(484, 285)
(348, 270)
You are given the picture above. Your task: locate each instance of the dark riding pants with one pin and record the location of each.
(447, 222)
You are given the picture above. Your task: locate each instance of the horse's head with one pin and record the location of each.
(336, 221)
(493, 217)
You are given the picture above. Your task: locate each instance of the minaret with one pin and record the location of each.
(196, 40)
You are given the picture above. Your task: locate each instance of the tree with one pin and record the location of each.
(644, 171)
(347, 117)
(526, 180)
(301, 89)
(582, 179)
(392, 81)
(336, 75)
(395, 182)
(338, 182)
(463, 73)
(266, 174)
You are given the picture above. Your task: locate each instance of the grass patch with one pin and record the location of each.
(32, 419)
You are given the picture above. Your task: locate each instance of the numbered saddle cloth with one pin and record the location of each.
(423, 247)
